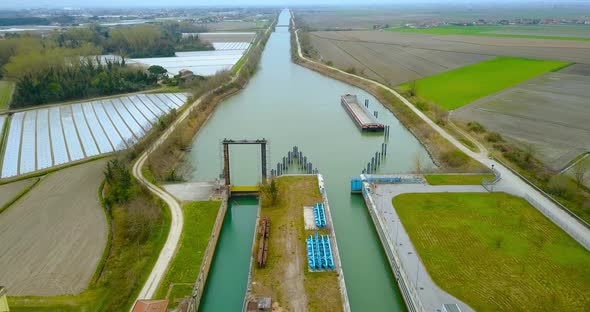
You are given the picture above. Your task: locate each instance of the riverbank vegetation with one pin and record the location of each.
(6, 88)
(453, 89)
(286, 278)
(199, 219)
(65, 65)
(456, 179)
(495, 251)
(523, 159)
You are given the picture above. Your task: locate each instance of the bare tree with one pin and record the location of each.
(580, 170)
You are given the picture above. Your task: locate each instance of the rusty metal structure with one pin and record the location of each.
(263, 156)
(264, 231)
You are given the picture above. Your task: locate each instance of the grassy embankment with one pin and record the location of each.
(455, 179)
(199, 219)
(496, 252)
(456, 88)
(286, 268)
(6, 88)
(534, 32)
(443, 153)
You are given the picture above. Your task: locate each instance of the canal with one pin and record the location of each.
(290, 105)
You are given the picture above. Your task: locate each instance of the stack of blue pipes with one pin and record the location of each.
(319, 215)
(319, 253)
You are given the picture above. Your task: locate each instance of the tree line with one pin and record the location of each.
(63, 65)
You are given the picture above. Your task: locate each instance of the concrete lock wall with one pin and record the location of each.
(410, 297)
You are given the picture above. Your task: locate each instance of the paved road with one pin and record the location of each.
(510, 181)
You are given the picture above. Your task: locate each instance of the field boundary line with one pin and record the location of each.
(19, 195)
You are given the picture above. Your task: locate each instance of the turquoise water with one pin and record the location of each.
(226, 284)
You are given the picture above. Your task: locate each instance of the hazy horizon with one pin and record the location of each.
(32, 4)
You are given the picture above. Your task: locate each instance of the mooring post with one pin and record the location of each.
(368, 167)
(367, 103)
(376, 114)
(226, 163)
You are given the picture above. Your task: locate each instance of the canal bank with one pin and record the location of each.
(224, 290)
(291, 105)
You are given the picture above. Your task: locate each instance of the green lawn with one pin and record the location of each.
(199, 219)
(456, 179)
(530, 32)
(456, 88)
(5, 91)
(496, 252)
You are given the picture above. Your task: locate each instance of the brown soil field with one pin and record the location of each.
(358, 18)
(231, 26)
(551, 112)
(53, 237)
(394, 58)
(10, 190)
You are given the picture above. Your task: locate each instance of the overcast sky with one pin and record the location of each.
(194, 3)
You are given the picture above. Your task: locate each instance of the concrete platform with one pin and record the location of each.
(191, 191)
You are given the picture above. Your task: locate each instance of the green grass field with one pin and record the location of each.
(496, 252)
(5, 91)
(530, 32)
(199, 219)
(456, 179)
(456, 88)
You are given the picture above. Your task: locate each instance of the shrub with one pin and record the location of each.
(329, 63)
(494, 137)
(351, 70)
(421, 105)
(454, 158)
(561, 186)
(475, 127)
(440, 115)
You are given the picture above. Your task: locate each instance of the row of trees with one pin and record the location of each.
(63, 65)
(89, 78)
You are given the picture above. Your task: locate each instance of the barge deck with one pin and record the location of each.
(360, 114)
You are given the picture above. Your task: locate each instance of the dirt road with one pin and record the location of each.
(53, 237)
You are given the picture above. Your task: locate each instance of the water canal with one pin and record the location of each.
(291, 105)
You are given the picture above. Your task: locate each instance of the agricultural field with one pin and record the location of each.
(456, 88)
(54, 236)
(232, 26)
(557, 32)
(496, 252)
(46, 137)
(6, 88)
(9, 191)
(550, 111)
(394, 58)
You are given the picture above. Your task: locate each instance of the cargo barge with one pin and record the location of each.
(361, 115)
